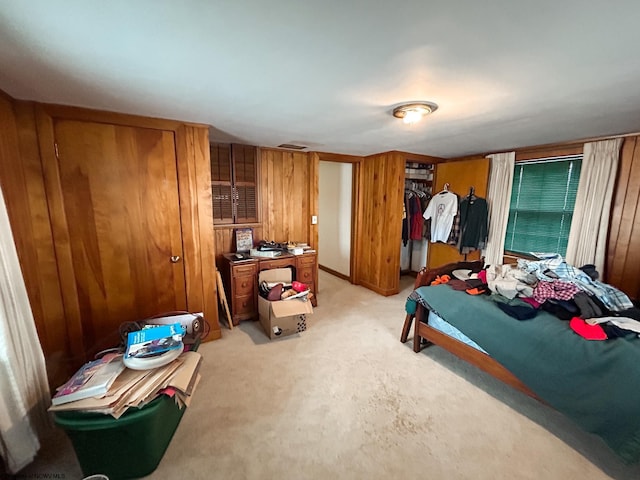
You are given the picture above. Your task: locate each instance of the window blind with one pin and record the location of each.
(542, 201)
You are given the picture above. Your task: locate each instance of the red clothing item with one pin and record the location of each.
(417, 221)
(590, 332)
(531, 302)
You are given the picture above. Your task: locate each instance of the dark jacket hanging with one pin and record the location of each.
(474, 223)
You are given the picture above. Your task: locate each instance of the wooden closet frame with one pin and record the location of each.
(194, 189)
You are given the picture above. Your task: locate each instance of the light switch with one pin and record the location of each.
(314, 219)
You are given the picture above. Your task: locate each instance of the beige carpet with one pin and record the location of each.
(347, 400)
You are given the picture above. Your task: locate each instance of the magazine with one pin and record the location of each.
(92, 380)
(154, 340)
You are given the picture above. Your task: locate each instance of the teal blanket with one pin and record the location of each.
(595, 383)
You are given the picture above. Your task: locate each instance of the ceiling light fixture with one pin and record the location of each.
(413, 112)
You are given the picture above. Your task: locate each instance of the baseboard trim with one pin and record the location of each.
(384, 292)
(335, 274)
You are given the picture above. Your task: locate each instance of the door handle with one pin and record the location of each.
(174, 258)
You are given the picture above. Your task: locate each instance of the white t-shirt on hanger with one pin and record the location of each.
(441, 210)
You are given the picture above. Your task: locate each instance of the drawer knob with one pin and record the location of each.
(174, 258)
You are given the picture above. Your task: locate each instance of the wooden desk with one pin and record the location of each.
(240, 280)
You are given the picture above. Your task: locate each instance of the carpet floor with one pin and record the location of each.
(347, 400)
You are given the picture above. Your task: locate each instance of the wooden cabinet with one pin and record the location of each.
(240, 279)
(129, 211)
(117, 219)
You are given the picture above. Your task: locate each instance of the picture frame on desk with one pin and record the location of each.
(244, 240)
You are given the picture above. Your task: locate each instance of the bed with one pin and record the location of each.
(596, 384)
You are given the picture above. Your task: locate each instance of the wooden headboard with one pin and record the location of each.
(426, 275)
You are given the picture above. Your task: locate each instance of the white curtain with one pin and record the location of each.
(24, 390)
(498, 198)
(590, 224)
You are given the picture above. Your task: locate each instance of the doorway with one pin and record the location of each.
(335, 211)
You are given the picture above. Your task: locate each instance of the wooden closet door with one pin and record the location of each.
(117, 189)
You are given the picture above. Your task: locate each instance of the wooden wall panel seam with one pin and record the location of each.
(49, 297)
(195, 243)
(627, 154)
(46, 137)
(627, 218)
(207, 238)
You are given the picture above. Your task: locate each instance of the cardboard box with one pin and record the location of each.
(284, 317)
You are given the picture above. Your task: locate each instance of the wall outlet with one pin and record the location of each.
(314, 219)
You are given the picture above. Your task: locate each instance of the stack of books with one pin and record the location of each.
(93, 379)
(306, 248)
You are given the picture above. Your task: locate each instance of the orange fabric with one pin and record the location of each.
(440, 279)
(476, 291)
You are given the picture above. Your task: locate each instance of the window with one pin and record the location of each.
(234, 183)
(542, 201)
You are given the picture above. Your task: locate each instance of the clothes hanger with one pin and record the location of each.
(445, 190)
(472, 194)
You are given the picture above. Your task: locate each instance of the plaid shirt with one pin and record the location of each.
(614, 299)
(557, 290)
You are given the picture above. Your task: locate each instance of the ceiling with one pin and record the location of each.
(327, 74)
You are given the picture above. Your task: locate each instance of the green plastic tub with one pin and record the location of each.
(129, 447)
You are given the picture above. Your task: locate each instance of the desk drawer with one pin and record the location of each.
(306, 260)
(244, 270)
(244, 285)
(277, 263)
(244, 305)
(305, 275)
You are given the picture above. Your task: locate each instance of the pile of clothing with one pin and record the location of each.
(465, 280)
(595, 310)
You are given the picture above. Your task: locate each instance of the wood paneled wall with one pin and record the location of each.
(288, 198)
(623, 252)
(225, 239)
(196, 214)
(288, 181)
(381, 192)
(21, 179)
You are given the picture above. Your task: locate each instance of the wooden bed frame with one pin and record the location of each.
(424, 335)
